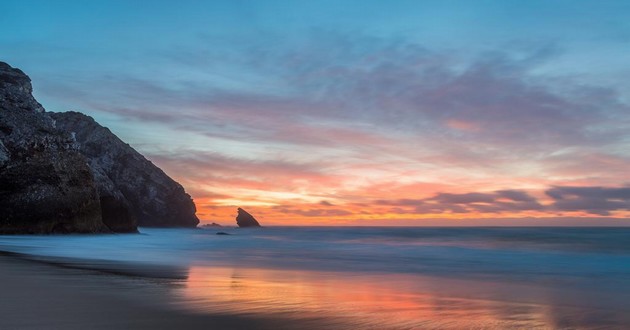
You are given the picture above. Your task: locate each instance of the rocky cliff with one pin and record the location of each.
(126, 179)
(62, 173)
(45, 183)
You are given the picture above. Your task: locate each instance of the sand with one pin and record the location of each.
(34, 295)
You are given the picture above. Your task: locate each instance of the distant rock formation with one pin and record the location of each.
(244, 219)
(126, 179)
(64, 173)
(214, 224)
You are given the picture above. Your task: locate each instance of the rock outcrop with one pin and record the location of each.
(244, 219)
(63, 172)
(45, 183)
(126, 179)
(214, 224)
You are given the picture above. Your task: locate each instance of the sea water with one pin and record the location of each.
(376, 277)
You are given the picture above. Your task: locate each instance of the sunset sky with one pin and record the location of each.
(352, 112)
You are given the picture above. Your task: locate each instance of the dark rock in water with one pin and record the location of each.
(64, 173)
(214, 224)
(244, 219)
(222, 233)
(45, 184)
(123, 175)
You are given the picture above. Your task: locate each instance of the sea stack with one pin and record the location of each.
(244, 219)
(65, 173)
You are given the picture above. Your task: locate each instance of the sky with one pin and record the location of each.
(353, 112)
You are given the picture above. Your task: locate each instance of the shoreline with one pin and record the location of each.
(104, 266)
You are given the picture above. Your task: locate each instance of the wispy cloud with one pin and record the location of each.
(420, 129)
(589, 200)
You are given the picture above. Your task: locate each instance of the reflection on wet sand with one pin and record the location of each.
(349, 278)
(387, 300)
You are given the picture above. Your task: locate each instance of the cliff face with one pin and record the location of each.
(126, 179)
(45, 184)
(63, 172)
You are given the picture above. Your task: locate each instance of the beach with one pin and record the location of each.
(315, 278)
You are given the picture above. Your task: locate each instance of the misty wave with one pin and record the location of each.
(513, 253)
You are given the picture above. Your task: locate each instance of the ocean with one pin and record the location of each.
(371, 277)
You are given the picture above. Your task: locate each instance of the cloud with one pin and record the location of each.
(467, 198)
(220, 177)
(493, 202)
(375, 99)
(566, 201)
(312, 211)
(330, 115)
(489, 98)
(594, 200)
(515, 195)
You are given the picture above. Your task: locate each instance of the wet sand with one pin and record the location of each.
(35, 295)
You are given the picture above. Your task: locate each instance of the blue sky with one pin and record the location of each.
(319, 109)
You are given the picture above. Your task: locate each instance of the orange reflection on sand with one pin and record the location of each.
(355, 300)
